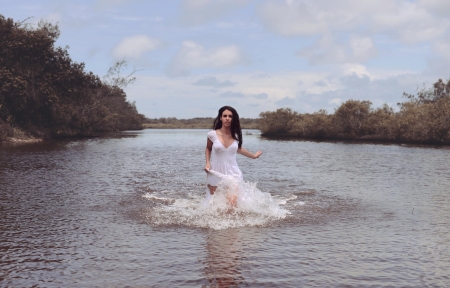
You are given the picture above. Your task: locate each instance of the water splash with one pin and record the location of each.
(253, 207)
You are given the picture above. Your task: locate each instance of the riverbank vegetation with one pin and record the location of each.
(422, 118)
(195, 123)
(44, 94)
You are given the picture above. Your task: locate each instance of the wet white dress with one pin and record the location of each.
(223, 160)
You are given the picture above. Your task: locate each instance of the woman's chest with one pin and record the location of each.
(230, 147)
(226, 140)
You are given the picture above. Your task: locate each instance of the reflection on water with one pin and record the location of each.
(125, 212)
(223, 261)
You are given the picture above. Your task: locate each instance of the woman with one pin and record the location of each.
(222, 144)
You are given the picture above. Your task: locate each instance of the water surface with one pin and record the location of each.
(123, 212)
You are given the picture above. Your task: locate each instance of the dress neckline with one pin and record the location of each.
(226, 148)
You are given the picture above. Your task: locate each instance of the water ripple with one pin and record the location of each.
(85, 213)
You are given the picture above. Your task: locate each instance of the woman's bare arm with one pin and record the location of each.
(249, 154)
(208, 149)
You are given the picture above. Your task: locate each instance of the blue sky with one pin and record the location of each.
(194, 56)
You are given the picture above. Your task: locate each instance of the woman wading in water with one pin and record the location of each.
(221, 147)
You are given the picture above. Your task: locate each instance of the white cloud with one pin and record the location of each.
(439, 7)
(286, 101)
(126, 18)
(328, 50)
(362, 48)
(106, 4)
(200, 11)
(410, 22)
(438, 64)
(194, 56)
(335, 101)
(261, 76)
(177, 97)
(443, 49)
(308, 18)
(135, 46)
(355, 68)
(261, 96)
(292, 18)
(110, 2)
(213, 82)
(355, 81)
(230, 94)
(402, 20)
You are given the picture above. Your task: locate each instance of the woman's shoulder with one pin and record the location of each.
(212, 135)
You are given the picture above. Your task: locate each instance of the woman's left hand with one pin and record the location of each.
(257, 154)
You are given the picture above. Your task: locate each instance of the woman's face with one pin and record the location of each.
(226, 118)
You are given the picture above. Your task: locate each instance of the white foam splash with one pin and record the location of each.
(253, 208)
(299, 203)
(284, 201)
(150, 196)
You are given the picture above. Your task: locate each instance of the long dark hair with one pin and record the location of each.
(236, 131)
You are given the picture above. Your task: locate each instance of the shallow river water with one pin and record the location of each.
(129, 212)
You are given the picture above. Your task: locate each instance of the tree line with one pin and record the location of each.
(44, 94)
(423, 118)
(194, 123)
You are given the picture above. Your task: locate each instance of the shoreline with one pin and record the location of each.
(187, 126)
(15, 140)
(22, 138)
(355, 140)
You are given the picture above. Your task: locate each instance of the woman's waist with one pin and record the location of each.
(228, 163)
(224, 169)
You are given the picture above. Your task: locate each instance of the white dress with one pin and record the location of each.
(223, 160)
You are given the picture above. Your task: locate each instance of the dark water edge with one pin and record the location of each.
(30, 140)
(73, 215)
(364, 140)
(275, 137)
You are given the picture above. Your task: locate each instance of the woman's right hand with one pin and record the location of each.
(207, 167)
